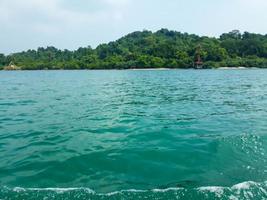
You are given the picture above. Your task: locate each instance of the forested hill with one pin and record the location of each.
(146, 49)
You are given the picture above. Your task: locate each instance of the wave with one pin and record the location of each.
(245, 190)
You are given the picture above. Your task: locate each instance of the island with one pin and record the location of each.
(147, 49)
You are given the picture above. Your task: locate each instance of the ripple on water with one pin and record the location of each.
(114, 130)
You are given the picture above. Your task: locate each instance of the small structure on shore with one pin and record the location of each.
(198, 64)
(11, 66)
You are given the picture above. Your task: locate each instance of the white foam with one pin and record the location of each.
(111, 193)
(19, 189)
(244, 185)
(217, 190)
(232, 197)
(167, 189)
(120, 192)
(58, 190)
(211, 188)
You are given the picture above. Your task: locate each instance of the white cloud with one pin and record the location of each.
(63, 23)
(73, 23)
(118, 3)
(51, 14)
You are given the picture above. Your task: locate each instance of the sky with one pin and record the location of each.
(70, 24)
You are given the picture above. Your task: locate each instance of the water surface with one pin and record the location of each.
(133, 134)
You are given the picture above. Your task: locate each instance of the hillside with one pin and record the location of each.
(146, 49)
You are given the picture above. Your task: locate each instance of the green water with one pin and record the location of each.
(174, 134)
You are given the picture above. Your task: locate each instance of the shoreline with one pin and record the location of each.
(139, 69)
(151, 69)
(236, 68)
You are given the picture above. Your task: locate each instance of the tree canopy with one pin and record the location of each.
(146, 49)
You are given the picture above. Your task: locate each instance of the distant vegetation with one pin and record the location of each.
(146, 49)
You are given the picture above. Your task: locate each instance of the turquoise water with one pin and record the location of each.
(174, 134)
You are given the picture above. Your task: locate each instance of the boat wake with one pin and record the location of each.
(245, 190)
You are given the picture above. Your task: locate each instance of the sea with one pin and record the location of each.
(130, 134)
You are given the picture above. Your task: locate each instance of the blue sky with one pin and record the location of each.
(28, 24)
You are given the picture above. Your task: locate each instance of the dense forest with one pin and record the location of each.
(146, 49)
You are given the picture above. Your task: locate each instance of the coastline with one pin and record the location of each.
(151, 69)
(236, 68)
(135, 69)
